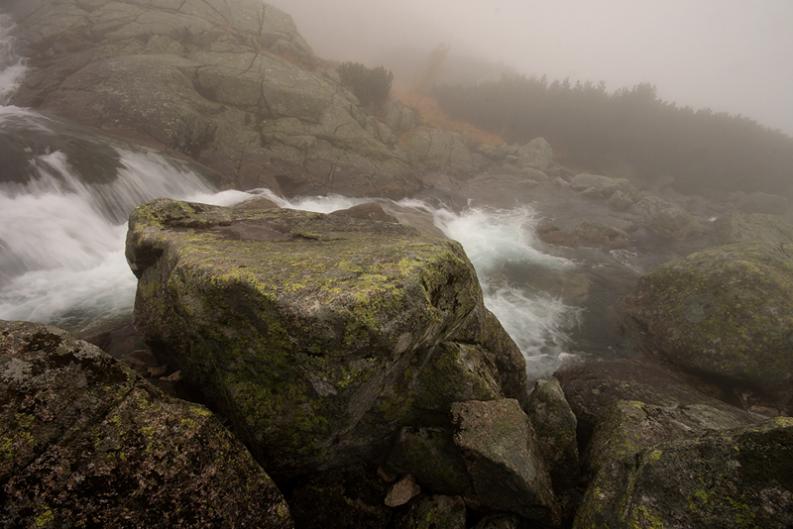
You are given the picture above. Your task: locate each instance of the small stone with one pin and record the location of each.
(176, 376)
(402, 492)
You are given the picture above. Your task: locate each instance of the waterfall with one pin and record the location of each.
(62, 230)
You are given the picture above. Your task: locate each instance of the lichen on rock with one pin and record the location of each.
(86, 443)
(726, 312)
(315, 334)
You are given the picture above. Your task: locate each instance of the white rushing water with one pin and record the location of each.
(62, 240)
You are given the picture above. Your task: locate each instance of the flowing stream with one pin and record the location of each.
(63, 212)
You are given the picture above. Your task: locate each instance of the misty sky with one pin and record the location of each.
(731, 55)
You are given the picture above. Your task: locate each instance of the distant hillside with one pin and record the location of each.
(694, 150)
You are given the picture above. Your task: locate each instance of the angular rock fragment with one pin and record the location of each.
(503, 458)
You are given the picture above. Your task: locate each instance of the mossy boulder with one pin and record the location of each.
(725, 312)
(727, 479)
(318, 336)
(633, 414)
(503, 459)
(85, 442)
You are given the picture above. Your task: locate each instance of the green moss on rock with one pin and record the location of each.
(314, 347)
(658, 467)
(725, 312)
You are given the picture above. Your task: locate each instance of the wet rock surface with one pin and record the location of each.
(86, 442)
(555, 426)
(503, 458)
(728, 478)
(658, 452)
(318, 336)
(234, 87)
(723, 312)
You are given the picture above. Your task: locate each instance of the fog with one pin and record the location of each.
(728, 55)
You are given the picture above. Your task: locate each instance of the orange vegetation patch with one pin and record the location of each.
(433, 115)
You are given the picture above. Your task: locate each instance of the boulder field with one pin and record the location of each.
(338, 340)
(351, 341)
(354, 357)
(353, 376)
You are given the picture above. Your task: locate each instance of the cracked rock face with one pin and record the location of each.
(230, 83)
(318, 336)
(86, 442)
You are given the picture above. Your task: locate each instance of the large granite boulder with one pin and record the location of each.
(725, 312)
(736, 478)
(318, 336)
(660, 453)
(594, 387)
(536, 154)
(229, 83)
(85, 442)
(666, 219)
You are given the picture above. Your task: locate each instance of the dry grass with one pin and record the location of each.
(433, 115)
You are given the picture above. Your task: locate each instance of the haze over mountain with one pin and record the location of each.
(728, 55)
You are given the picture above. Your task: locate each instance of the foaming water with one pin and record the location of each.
(62, 241)
(493, 237)
(62, 231)
(316, 204)
(499, 242)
